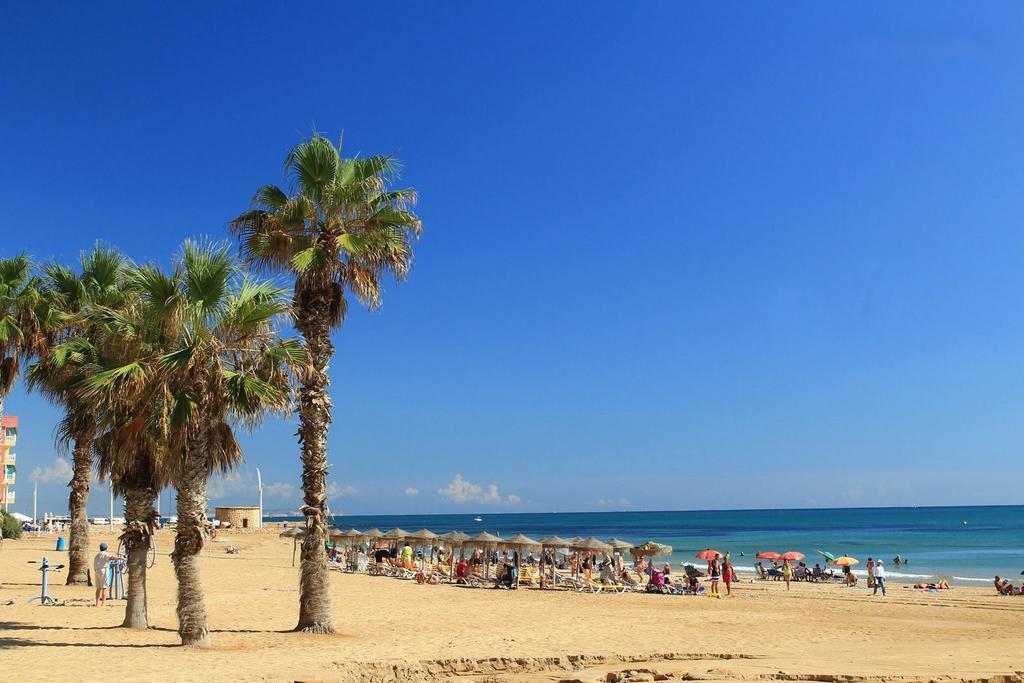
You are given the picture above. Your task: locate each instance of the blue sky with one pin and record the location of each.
(683, 256)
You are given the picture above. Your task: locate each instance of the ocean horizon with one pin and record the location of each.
(967, 544)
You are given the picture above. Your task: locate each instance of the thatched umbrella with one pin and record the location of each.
(454, 538)
(618, 544)
(651, 549)
(294, 533)
(553, 542)
(396, 534)
(484, 541)
(591, 545)
(423, 535)
(519, 543)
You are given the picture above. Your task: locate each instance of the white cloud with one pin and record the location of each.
(59, 471)
(334, 490)
(280, 489)
(232, 484)
(459, 490)
(410, 491)
(614, 503)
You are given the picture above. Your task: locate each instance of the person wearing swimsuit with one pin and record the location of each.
(787, 572)
(715, 570)
(727, 574)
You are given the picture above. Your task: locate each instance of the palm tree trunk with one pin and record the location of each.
(188, 541)
(314, 421)
(78, 507)
(140, 518)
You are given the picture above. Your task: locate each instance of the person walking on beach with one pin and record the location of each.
(100, 564)
(787, 572)
(871, 572)
(879, 578)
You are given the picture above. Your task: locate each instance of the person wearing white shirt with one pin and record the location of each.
(879, 578)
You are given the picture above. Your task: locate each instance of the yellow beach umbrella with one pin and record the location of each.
(845, 561)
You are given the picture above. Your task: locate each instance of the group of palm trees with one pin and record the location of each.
(154, 369)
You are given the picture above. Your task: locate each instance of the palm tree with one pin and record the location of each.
(211, 358)
(72, 329)
(131, 456)
(341, 230)
(21, 333)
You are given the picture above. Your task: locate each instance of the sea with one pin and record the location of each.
(965, 545)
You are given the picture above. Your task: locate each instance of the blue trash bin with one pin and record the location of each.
(60, 543)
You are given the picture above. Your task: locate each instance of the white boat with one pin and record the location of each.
(478, 519)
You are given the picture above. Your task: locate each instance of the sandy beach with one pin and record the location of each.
(394, 630)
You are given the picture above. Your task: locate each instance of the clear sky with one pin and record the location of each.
(676, 255)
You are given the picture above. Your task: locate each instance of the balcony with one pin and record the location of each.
(10, 459)
(10, 497)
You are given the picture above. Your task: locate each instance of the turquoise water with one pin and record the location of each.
(934, 539)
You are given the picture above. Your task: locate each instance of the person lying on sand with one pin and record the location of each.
(938, 585)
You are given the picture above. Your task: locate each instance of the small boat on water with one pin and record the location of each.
(478, 518)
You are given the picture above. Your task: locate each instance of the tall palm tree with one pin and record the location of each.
(212, 359)
(21, 327)
(71, 332)
(341, 229)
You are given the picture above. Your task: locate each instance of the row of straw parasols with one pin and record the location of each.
(486, 541)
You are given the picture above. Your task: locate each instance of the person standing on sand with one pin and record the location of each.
(787, 572)
(100, 564)
(879, 578)
(715, 572)
(727, 573)
(871, 572)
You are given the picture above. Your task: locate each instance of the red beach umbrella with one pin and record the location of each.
(769, 555)
(708, 554)
(792, 556)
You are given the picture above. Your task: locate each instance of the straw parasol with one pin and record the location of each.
(618, 544)
(423, 536)
(396, 534)
(454, 538)
(519, 543)
(295, 533)
(373, 534)
(650, 549)
(591, 543)
(553, 542)
(484, 540)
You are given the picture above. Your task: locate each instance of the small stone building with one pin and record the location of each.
(241, 517)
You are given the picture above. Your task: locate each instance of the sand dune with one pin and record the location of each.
(396, 630)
